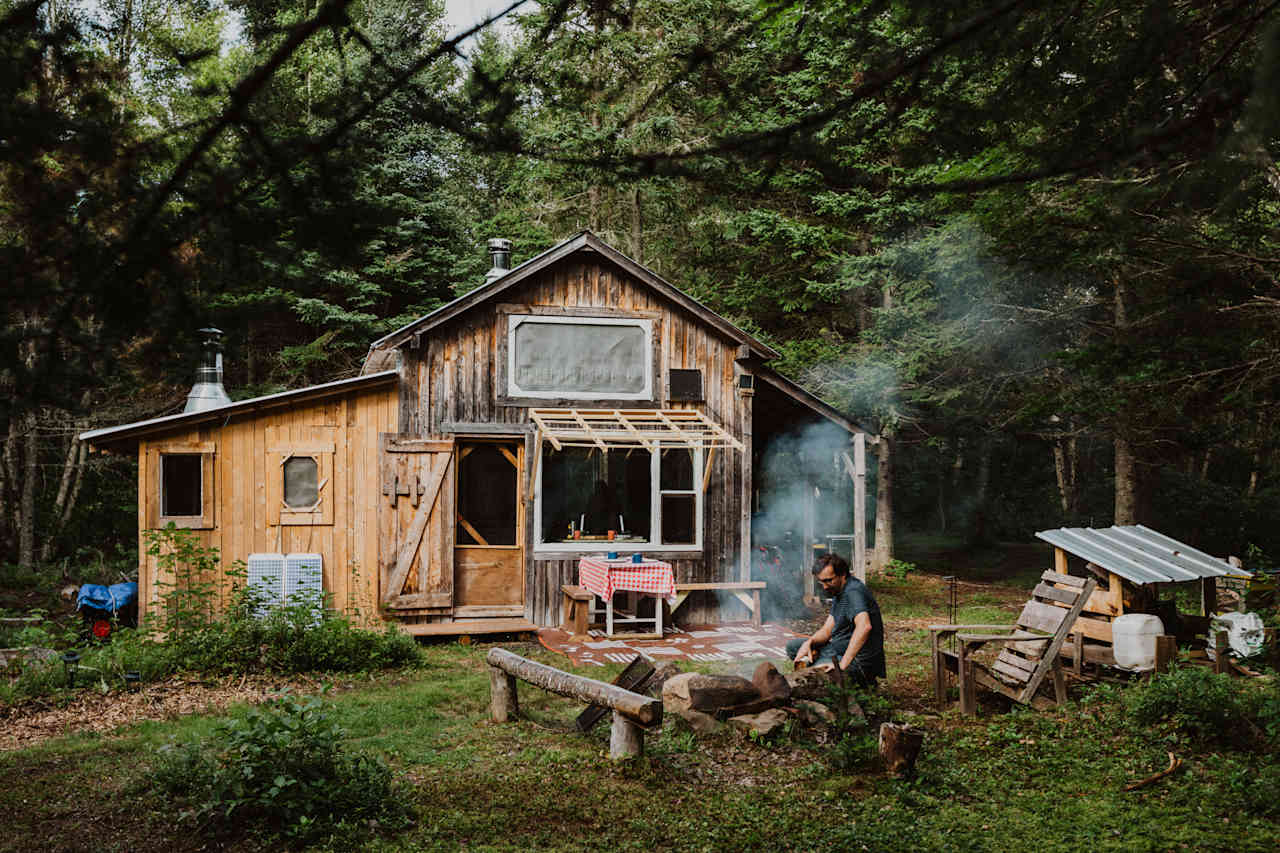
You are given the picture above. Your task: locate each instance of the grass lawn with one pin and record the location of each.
(1003, 781)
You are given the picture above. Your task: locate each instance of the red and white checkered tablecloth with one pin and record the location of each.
(604, 577)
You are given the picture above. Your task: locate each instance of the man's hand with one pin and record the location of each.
(805, 654)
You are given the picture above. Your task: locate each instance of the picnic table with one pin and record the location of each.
(603, 577)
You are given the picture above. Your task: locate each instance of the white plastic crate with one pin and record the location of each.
(304, 579)
(266, 578)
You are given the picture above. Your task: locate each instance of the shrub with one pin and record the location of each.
(280, 768)
(1193, 703)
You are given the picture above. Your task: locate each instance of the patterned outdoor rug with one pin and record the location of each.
(714, 643)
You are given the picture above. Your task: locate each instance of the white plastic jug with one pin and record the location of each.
(1134, 638)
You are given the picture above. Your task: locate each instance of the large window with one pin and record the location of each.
(579, 358)
(648, 499)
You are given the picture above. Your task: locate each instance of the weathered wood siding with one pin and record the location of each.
(243, 521)
(450, 377)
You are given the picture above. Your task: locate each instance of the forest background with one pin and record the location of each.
(1034, 245)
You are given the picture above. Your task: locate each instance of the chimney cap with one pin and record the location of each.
(500, 244)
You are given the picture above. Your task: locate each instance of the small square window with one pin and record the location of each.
(180, 486)
(181, 476)
(301, 482)
(300, 486)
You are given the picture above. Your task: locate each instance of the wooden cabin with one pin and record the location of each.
(486, 447)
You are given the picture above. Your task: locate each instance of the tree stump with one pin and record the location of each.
(899, 748)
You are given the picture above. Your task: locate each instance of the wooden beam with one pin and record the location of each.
(706, 475)
(1060, 561)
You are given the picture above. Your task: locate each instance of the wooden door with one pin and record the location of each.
(415, 524)
(489, 551)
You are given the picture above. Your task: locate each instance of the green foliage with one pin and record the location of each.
(899, 569)
(191, 633)
(281, 768)
(1196, 705)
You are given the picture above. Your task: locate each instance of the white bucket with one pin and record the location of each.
(1134, 638)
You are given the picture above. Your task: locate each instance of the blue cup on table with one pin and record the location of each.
(613, 555)
(637, 558)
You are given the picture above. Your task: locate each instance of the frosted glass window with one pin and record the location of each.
(301, 482)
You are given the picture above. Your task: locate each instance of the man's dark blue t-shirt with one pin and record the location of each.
(855, 598)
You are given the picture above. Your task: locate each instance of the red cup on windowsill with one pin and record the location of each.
(612, 534)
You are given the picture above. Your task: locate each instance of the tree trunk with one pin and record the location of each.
(1065, 463)
(27, 504)
(884, 505)
(981, 490)
(1126, 511)
(637, 225)
(1126, 485)
(1255, 472)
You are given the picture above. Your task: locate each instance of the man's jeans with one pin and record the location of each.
(828, 654)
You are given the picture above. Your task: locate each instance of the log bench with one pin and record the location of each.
(631, 711)
(748, 592)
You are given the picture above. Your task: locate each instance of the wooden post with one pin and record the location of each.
(939, 670)
(1166, 651)
(968, 692)
(806, 560)
(626, 738)
(1060, 561)
(1208, 596)
(503, 704)
(860, 506)
(1222, 658)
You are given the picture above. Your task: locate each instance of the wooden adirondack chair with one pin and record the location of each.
(1030, 648)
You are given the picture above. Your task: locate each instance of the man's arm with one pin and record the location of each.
(819, 638)
(861, 630)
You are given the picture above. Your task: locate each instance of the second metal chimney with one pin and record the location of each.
(500, 251)
(208, 392)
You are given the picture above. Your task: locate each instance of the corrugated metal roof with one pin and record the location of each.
(128, 431)
(1139, 554)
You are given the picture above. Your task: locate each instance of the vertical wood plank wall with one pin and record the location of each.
(242, 524)
(456, 382)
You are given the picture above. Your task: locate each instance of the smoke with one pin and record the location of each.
(801, 486)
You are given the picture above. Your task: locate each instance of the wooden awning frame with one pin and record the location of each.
(622, 428)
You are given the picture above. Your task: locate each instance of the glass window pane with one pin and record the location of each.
(679, 518)
(595, 491)
(301, 482)
(180, 475)
(677, 470)
(487, 493)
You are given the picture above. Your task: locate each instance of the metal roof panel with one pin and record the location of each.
(1139, 554)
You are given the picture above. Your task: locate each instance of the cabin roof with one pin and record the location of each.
(129, 433)
(1139, 554)
(583, 241)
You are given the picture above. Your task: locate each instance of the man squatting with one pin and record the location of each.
(852, 638)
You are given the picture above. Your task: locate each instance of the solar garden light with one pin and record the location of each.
(132, 680)
(70, 660)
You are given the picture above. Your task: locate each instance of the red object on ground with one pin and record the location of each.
(102, 629)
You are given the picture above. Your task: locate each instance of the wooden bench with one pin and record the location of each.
(575, 609)
(740, 590)
(632, 712)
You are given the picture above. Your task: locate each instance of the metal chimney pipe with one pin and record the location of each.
(208, 392)
(500, 251)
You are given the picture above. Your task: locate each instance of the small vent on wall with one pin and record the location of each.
(684, 385)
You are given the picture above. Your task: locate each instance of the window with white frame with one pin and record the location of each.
(643, 498)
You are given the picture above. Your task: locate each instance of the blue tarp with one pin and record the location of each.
(109, 598)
